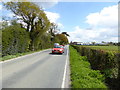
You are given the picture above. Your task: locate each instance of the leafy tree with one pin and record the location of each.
(65, 33)
(53, 29)
(42, 32)
(45, 41)
(93, 43)
(63, 39)
(3, 24)
(26, 11)
(33, 16)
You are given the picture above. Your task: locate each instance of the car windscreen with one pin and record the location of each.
(57, 47)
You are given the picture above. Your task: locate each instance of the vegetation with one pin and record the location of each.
(82, 76)
(106, 48)
(14, 41)
(17, 55)
(104, 60)
(35, 32)
(34, 17)
(62, 38)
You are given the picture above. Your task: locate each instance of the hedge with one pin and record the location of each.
(17, 40)
(105, 61)
(14, 40)
(82, 76)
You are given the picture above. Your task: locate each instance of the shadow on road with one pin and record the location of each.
(55, 54)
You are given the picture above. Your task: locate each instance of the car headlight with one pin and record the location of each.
(60, 49)
(52, 49)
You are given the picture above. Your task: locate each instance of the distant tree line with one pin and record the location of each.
(34, 33)
(97, 44)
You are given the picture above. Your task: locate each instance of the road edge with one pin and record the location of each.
(23, 56)
(66, 75)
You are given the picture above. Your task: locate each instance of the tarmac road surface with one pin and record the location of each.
(37, 70)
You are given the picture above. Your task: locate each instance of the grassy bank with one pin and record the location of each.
(17, 55)
(82, 76)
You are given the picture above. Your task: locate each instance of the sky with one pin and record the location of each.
(83, 21)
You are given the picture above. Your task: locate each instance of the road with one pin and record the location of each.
(38, 70)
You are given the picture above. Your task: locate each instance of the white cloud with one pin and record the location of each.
(0, 7)
(107, 17)
(104, 27)
(46, 4)
(60, 25)
(101, 34)
(83, 35)
(53, 17)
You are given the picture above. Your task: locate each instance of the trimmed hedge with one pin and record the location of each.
(105, 61)
(82, 76)
(14, 40)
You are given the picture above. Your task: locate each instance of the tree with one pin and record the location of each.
(93, 43)
(26, 11)
(33, 16)
(53, 29)
(65, 33)
(3, 23)
(63, 39)
(103, 42)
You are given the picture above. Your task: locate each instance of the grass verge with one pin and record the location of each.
(82, 76)
(17, 55)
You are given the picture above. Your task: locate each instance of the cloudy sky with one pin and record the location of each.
(84, 21)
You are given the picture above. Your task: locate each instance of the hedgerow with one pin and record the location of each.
(82, 76)
(105, 61)
(14, 40)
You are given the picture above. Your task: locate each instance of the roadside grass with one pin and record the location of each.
(17, 55)
(82, 76)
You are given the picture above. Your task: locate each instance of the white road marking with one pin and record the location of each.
(65, 69)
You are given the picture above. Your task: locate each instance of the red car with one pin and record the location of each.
(58, 49)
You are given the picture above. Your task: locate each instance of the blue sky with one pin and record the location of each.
(84, 21)
(74, 13)
(88, 21)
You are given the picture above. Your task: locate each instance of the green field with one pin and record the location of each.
(107, 48)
